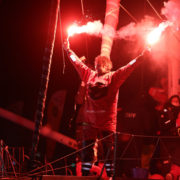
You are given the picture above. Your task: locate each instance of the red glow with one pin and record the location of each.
(72, 30)
(90, 28)
(155, 34)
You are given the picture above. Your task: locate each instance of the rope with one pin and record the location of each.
(132, 137)
(42, 171)
(155, 10)
(121, 157)
(82, 7)
(157, 142)
(134, 19)
(120, 5)
(66, 156)
(84, 18)
(44, 79)
(177, 38)
(64, 64)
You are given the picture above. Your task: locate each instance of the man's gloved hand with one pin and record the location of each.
(66, 45)
(146, 51)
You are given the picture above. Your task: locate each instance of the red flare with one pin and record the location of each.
(155, 34)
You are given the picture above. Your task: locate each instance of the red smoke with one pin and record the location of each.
(136, 29)
(172, 11)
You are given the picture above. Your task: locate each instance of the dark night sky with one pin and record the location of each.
(23, 35)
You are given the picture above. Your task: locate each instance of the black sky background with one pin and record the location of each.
(23, 33)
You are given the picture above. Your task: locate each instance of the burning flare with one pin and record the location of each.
(155, 34)
(90, 28)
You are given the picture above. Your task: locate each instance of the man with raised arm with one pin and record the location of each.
(98, 115)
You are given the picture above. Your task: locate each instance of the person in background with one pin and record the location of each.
(97, 117)
(160, 93)
(169, 126)
(169, 117)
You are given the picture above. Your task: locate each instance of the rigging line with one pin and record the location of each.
(132, 137)
(68, 166)
(61, 34)
(68, 155)
(155, 148)
(45, 171)
(83, 14)
(177, 38)
(155, 10)
(46, 66)
(139, 158)
(135, 158)
(120, 5)
(164, 147)
(150, 136)
(82, 7)
(128, 12)
(126, 148)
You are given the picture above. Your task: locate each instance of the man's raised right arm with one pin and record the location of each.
(81, 68)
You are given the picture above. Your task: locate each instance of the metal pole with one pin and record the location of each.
(115, 154)
(2, 157)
